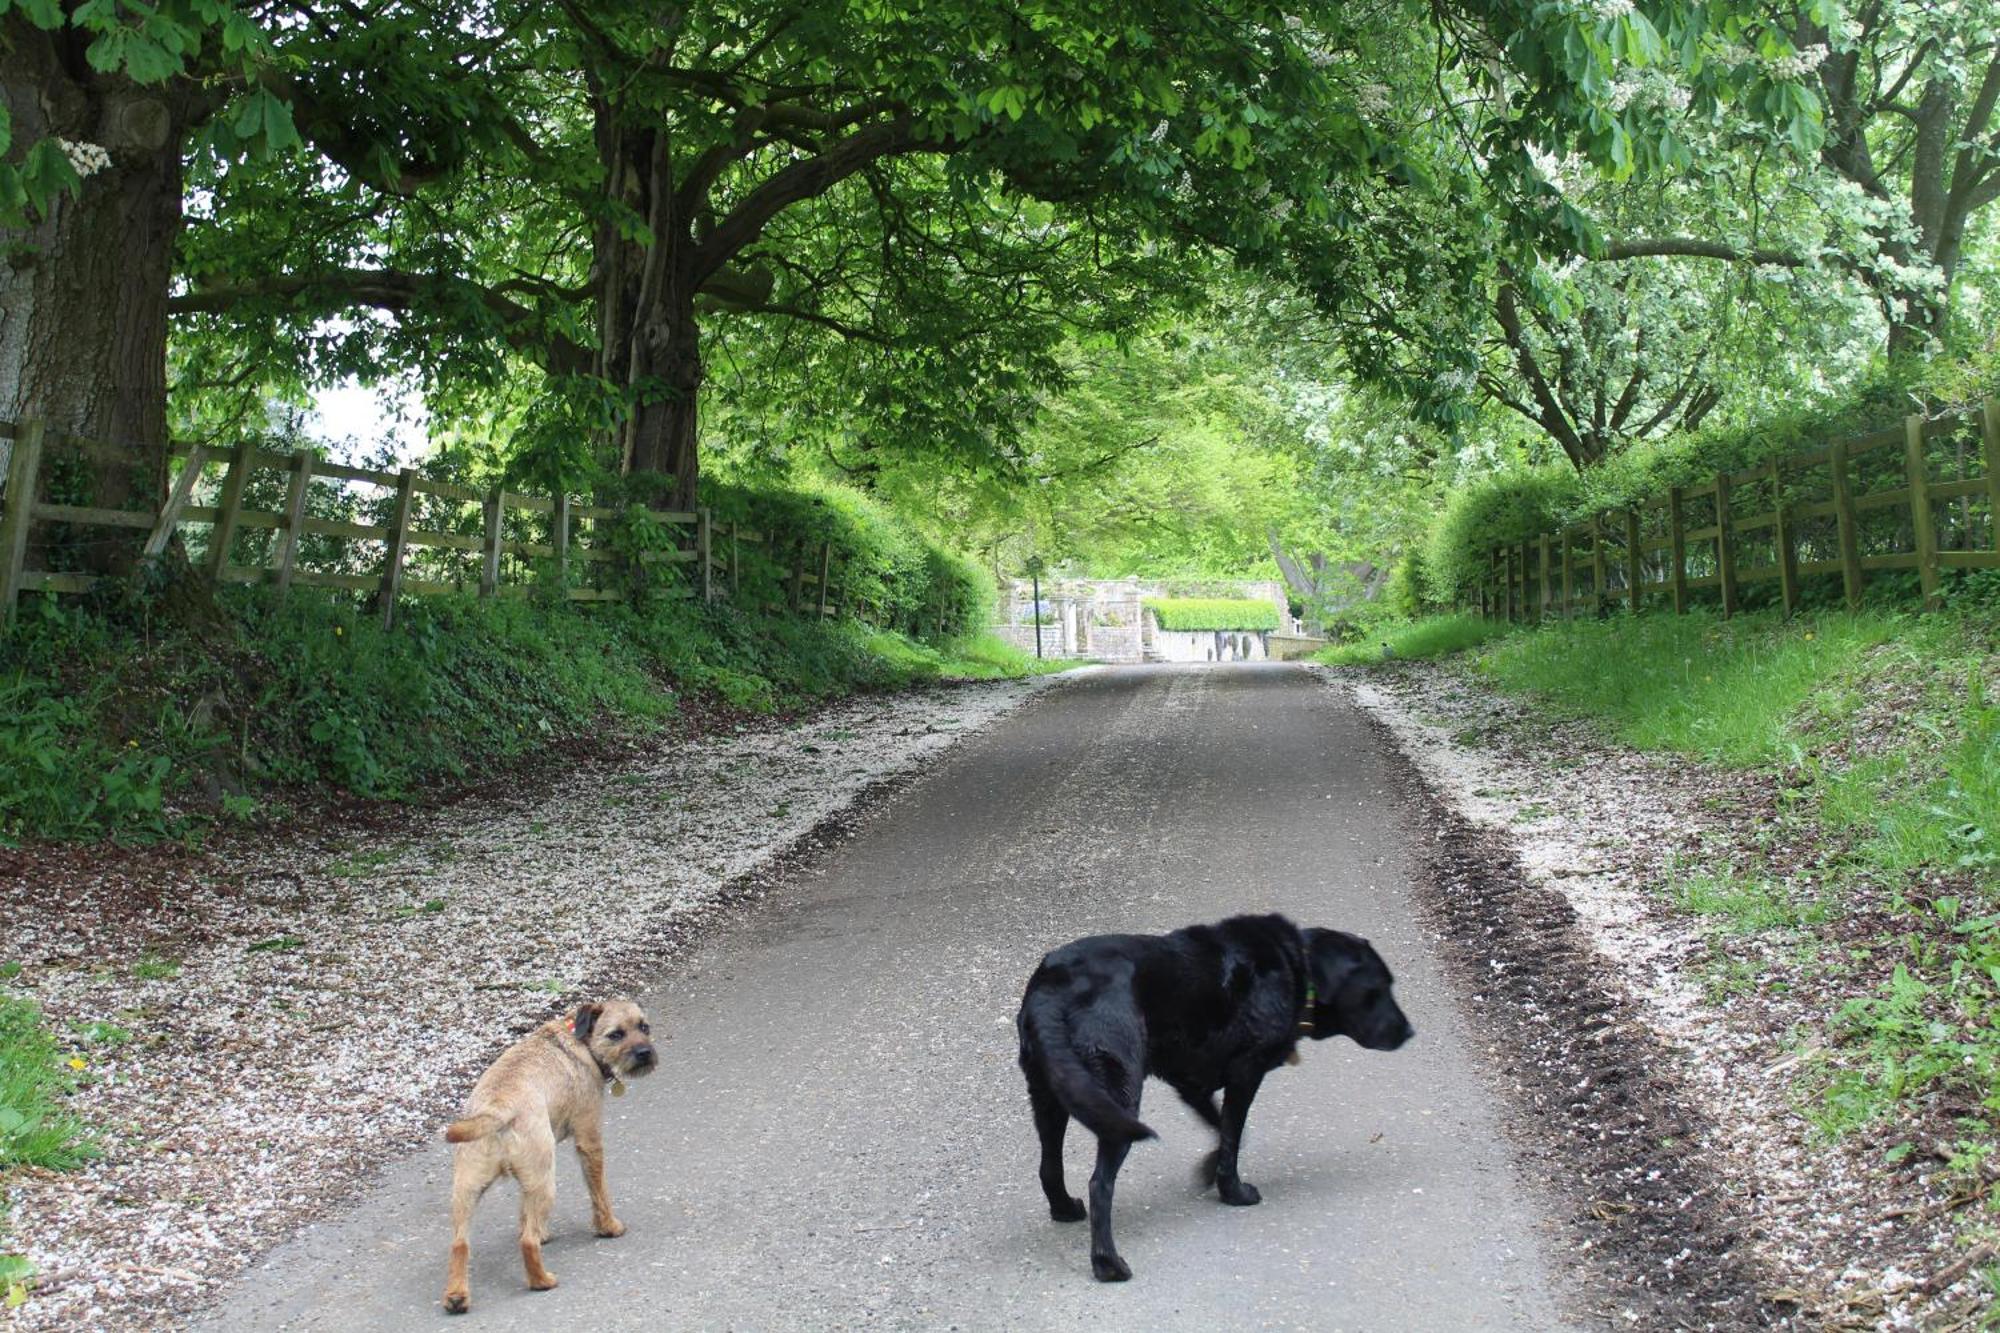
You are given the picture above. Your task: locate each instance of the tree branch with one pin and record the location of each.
(806, 180)
(389, 289)
(1691, 248)
(1550, 417)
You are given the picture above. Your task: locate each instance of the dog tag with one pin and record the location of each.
(617, 1087)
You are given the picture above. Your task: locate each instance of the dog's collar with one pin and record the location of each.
(1306, 1028)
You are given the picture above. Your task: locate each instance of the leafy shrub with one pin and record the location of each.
(1494, 510)
(1213, 613)
(879, 564)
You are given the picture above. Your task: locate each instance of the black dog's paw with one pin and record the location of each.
(1205, 1170)
(1240, 1194)
(1110, 1268)
(1073, 1211)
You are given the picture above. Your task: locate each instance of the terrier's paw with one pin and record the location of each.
(547, 1282)
(1072, 1211)
(457, 1302)
(611, 1229)
(1240, 1194)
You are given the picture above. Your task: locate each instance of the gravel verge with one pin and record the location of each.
(270, 1017)
(1668, 1105)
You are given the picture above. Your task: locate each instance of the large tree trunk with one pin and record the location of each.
(83, 294)
(665, 437)
(649, 341)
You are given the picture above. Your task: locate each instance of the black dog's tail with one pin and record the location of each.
(1075, 1087)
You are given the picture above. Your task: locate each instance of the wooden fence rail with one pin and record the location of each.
(1852, 509)
(571, 527)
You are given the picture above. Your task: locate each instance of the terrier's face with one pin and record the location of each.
(618, 1034)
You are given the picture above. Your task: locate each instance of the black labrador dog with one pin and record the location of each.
(1206, 1009)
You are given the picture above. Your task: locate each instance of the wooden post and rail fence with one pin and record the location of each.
(484, 526)
(1855, 508)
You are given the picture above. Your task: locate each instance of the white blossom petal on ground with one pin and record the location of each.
(299, 1006)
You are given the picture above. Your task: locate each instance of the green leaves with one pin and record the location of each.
(262, 123)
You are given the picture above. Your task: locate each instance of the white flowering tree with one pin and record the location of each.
(1909, 155)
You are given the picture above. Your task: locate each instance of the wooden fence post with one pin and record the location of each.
(1542, 605)
(177, 500)
(559, 538)
(1989, 436)
(735, 559)
(1597, 566)
(1635, 567)
(704, 548)
(228, 507)
(798, 575)
(1922, 520)
(493, 522)
(1568, 572)
(1678, 553)
(1517, 560)
(399, 539)
(23, 477)
(295, 519)
(1725, 545)
(825, 568)
(1788, 554)
(1850, 538)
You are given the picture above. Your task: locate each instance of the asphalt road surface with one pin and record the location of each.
(839, 1137)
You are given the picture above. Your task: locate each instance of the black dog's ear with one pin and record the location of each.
(1332, 955)
(584, 1022)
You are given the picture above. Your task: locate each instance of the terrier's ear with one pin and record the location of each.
(585, 1021)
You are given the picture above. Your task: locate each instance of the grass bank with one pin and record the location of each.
(1882, 734)
(1414, 640)
(132, 720)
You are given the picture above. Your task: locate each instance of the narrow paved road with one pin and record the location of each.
(840, 1138)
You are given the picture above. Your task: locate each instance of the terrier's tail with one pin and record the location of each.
(477, 1126)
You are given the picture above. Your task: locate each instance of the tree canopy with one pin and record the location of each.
(1018, 263)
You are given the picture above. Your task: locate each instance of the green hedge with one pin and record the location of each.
(1204, 613)
(1522, 503)
(1505, 507)
(880, 562)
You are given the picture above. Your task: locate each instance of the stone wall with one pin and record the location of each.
(1105, 618)
(1207, 645)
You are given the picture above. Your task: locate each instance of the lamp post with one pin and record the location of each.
(1035, 577)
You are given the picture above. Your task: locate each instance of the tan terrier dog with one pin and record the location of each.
(543, 1089)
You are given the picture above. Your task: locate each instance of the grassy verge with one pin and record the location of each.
(1884, 731)
(982, 657)
(1434, 636)
(129, 721)
(35, 1130)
